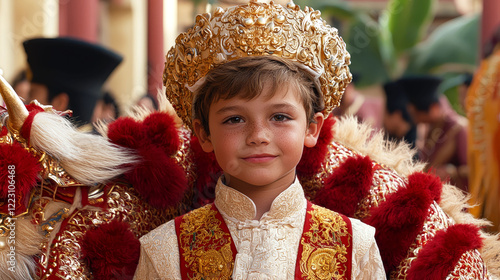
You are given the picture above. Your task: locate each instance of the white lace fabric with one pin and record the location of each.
(266, 248)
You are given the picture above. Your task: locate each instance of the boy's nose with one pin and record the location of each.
(258, 134)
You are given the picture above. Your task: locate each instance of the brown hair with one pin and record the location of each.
(246, 77)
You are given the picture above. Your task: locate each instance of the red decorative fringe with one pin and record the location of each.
(24, 166)
(440, 255)
(159, 180)
(111, 250)
(346, 186)
(313, 158)
(400, 218)
(208, 172)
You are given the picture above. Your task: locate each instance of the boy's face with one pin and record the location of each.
(259, 142)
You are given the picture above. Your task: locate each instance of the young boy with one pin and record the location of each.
(256, 114)
(257, 125)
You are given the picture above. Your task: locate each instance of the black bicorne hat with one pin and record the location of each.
(73, 66)
(422, 91)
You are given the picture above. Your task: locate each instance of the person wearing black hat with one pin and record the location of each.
(444, 132)
(68, 73)
(398, 123)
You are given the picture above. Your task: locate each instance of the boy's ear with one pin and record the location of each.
(203, 137)
(313, 130)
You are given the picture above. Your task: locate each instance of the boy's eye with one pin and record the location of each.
(280, 118)
(233, 120)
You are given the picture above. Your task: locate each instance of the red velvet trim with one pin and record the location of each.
(398, 221)
(347, 185)
(441, 254)
(313, 158)
(26, 128)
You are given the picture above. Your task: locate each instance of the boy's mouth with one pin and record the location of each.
(259, 158)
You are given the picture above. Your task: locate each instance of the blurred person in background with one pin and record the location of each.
(21, 85)
(398, 123)
(106, 109)
(147, 101)
(69, 73)
(367, 109)
(443, 132)
(463, 88)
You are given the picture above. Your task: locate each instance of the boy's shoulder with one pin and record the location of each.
(159, 233)
(167, 229)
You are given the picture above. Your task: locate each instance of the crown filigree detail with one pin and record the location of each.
(256, 29)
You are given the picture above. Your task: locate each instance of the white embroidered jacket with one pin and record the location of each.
(267, 248)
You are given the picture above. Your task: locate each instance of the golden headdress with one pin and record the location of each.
(256, 29)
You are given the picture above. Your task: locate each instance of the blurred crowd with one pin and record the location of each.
(461, 143)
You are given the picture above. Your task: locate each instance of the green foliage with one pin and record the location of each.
(363, 41)
(451, 47)
(391, 46)
(408, 21)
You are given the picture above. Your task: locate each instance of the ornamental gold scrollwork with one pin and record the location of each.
(324, 246)
(256, 29)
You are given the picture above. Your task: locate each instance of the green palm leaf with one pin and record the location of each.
(408, 21)
(452, 47)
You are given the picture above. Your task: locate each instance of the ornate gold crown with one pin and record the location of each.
(256, 29)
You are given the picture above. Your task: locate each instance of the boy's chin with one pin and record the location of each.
(258, 180)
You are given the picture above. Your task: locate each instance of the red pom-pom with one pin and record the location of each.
(208, 172)
(111, 250)
(160, 129)
(346, 186)
(440, 255)
(126, 132)
(398, 221)
(19, 166)
(428, 181)
(313, 158)
(159, 180)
